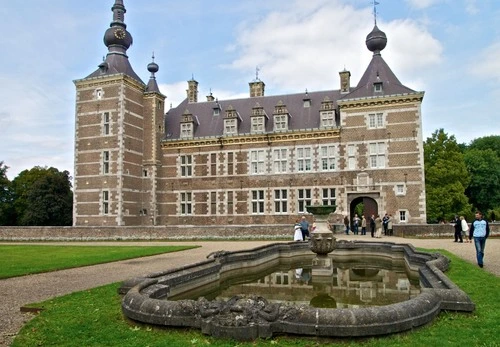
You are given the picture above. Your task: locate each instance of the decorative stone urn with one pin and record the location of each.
(321, 240)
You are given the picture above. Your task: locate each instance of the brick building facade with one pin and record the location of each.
(256, 160)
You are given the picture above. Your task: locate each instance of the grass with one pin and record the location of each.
(20, 260)
(94, 318)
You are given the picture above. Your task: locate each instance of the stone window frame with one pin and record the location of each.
(280, 197)
(105, 202)
(329, 196)
(231, 126)
(403, 216)
(258, 124)
(186, 203)
(328, 155)
(106, 123)
(186, 165)
(257, 162)
(106, 159)
(327, 119)
(377, 155)
(400, 189)
(304, 198)
(258, 201)
(376, 120)
(351, 157)
(280, 122)
(186, 130)
(280, 160)
(304, 158)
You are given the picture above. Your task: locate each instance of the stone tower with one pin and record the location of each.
(119, 125)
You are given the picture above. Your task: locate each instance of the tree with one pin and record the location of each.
(43, 197)
(446, 177)
(486, 142)
(484, 168)
(7, 213)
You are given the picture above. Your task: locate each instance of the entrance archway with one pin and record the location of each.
(369, 204)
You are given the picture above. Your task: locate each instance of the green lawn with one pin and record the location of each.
(94, 318)
(20, 260)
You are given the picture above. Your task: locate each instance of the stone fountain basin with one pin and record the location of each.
(147, 298)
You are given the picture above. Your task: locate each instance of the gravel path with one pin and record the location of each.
(20, 291)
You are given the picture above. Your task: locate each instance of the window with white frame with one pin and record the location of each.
(351, 157)
(400, 189)
(186, 130)
(105, 162)
(377, 155)
(280, 201)
(403, 218)
(328, 158)
(303, 199)
(213, 203)
(105, 202)
(304, 159)
(186, 165)
(328, 196)
(257, 124)
(376, 120)
(213, 164)
(186, 201)
(99, 94)
(105, 123)
(258, 201)
(281, 122)
(327, 119)
(280, 160)
(257, 162)
(231, 126)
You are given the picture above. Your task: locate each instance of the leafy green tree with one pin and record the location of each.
(7, 213)
(43, 196)
(484, 188)
(486, 142)
(446, 177)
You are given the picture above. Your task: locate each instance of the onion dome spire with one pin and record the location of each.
(376, 40)
(153, 68)
(118, 40)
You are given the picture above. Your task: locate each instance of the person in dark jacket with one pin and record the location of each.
(458, 229)
(372, 225)
(479, 230)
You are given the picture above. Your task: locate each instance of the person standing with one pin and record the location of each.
(346, 223)
(355, 226)
(465, 228)
(385, 220)
(389, 225)
(363, 225)
(458, 229)
(378, 227)
(297, 232)
(372, 225)
(479, 230)
(304, 227)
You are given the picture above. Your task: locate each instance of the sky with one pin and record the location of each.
(449, 49)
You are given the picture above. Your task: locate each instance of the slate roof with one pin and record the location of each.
(210, 125)
(115, 64)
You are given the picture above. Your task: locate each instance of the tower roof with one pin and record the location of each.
(118, 40)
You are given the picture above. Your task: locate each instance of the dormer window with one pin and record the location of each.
(377, 87)
(217, 111)
(258, 119)
(188, 123)
(231, 121)
(280, 117)
(327, 113)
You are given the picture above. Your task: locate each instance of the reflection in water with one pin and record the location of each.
(352, 285)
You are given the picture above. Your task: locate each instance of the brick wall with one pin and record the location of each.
(175, 232)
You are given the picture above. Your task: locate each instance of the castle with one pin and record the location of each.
(259, 160)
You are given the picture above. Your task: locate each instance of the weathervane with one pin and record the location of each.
(375, 3)
(257, 73)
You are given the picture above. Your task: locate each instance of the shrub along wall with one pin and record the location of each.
(186, 232)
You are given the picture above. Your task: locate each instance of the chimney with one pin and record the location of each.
(345, 81)
(192, 91)
(210, 97)
(256, 88)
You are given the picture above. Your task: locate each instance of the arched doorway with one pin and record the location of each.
(370, 207)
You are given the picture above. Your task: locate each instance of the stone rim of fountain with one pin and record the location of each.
(146, 298)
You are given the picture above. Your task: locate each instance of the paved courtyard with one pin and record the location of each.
(20, 291)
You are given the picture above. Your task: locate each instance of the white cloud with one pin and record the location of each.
(421, 4)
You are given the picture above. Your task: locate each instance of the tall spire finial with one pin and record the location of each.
(257, 69)
(375, 3)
